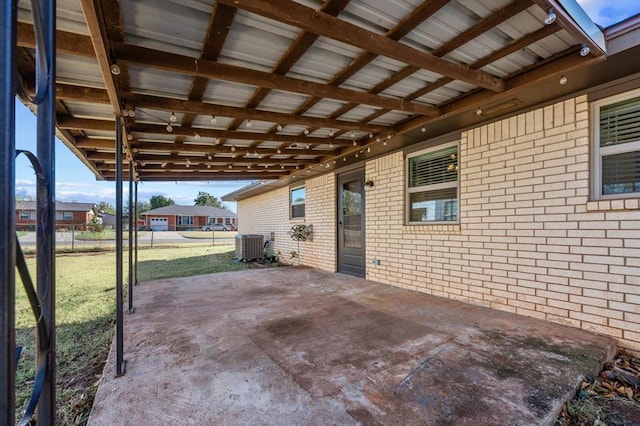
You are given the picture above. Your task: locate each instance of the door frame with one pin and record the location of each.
(356, 172)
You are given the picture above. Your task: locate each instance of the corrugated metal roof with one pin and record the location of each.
(248, 60)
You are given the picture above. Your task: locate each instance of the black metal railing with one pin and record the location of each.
(42, 295)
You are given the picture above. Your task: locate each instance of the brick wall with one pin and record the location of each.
(529, 241)
(269, 212)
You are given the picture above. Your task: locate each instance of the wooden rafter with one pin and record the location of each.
(295, 14)
(97, 32)
(185, 65)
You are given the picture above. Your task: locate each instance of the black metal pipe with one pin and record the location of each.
(135, 269)
(119, 307)
(46, 213)
(8, 22)
(132, 211)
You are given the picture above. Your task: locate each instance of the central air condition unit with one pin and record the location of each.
(249, 247)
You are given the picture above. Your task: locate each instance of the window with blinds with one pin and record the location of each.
(617, 146)
(432, 185)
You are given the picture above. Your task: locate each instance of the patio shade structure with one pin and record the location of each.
(261, 90)
(264, 90)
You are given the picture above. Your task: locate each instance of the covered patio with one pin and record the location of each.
(274, 92)
(297, 345)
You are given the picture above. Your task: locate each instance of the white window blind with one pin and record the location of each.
(618, 148)
(432, 185)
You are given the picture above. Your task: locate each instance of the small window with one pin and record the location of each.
(24, 215)
(67, 216)
(297, 202)
(432, 185)
(617, 146)
(185, 220)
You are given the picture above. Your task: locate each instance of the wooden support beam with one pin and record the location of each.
(198, 175)
(185, 65)
(311, 20)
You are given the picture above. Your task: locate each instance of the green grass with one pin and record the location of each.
(21, 233)
(207, 235)
(85, 312)
(107, 234)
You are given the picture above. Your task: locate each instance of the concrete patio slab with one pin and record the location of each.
(298, 346)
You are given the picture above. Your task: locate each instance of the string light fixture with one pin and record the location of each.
(249, 124)
(214, 120)
(173, 118)
(279, 127)
(550, 18)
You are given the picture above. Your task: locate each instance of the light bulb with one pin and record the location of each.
(115, 69)
(216, 141)
(129, 137)
(230, 166)
(169, 128)
(279, 151)
(209, 157)
(370, 135)
(131, 113)
(197, 136)
(306, 131)
(423, 129)
(233, 148)
(550, 18)
(214, 120)
(279, 127)
(208, 166)
(479, 111)
(563, 80)
(173, 118)
(355, 143)
(332, 133)
(249, 123)
(585, 50)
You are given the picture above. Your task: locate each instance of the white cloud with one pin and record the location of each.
(607, 12)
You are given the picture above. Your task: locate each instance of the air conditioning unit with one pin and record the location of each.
(249, 247)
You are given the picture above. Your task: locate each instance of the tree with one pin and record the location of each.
(103, 206)
(157, 201)
(142, 206)
(206, 199)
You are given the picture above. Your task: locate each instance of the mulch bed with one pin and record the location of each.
(612, 398)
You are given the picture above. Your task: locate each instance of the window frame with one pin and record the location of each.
(67, 215)
(292, 204)
(24, 215)
(180, 220)
(408, 191)
(597, 155)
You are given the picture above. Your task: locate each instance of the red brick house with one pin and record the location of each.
(177, 218)
(67, 214)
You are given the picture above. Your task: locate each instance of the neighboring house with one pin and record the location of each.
(534, 212)
(175, 217)
(67, 214)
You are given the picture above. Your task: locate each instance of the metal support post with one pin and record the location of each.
(135, 269)
(132, 212)
(8, 23)
(46, 213)
(119, 283)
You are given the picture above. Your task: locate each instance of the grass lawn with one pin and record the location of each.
(107, 234)
(85, 312)
(207, 235)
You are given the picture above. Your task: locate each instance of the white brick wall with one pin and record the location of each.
(529, 240)
(269, 212)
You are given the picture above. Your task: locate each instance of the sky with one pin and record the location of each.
(74, 181)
